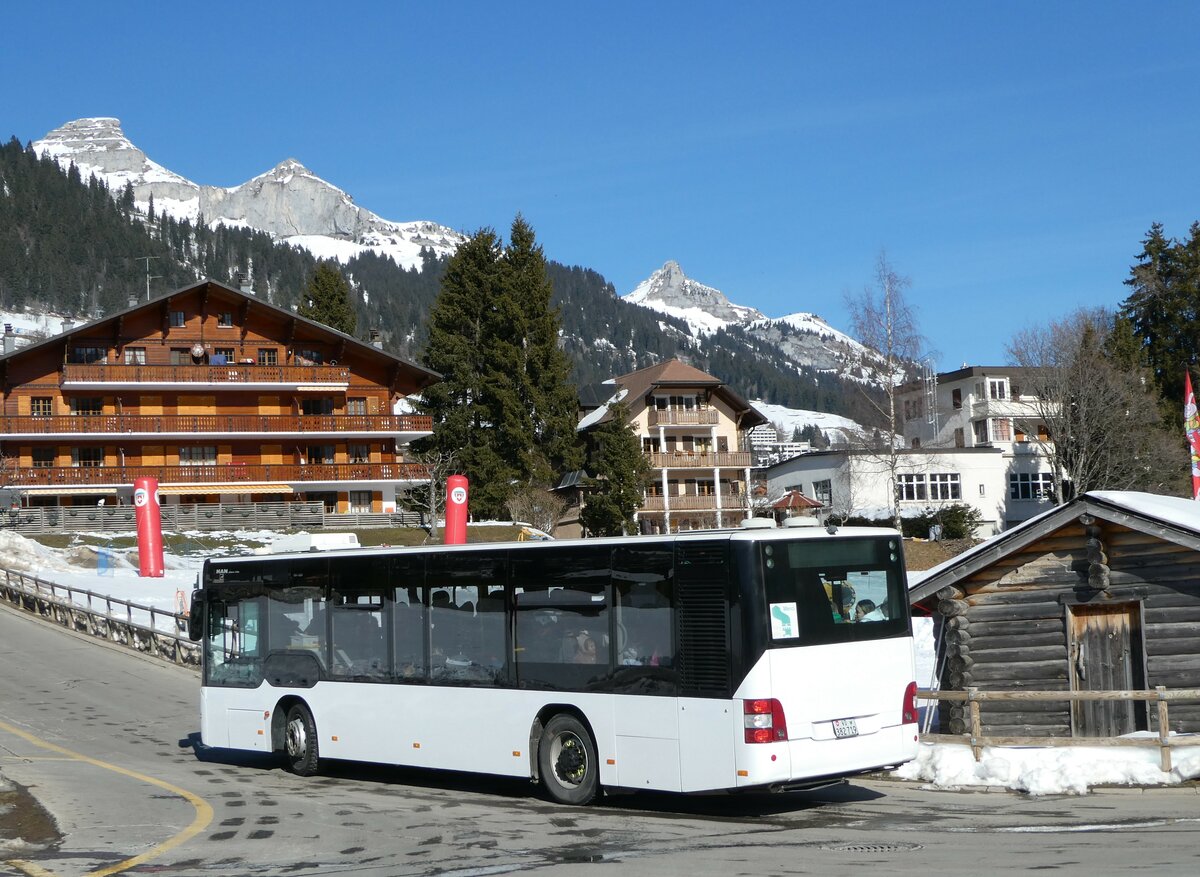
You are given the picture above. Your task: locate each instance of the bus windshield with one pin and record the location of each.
(832, 591)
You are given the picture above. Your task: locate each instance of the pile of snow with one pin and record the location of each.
(1064, 770)
(835, 427)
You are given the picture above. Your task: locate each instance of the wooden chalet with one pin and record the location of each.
(1100, 594)
(220, 396)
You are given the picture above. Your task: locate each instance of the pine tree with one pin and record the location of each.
(619, 475)
(327, 299)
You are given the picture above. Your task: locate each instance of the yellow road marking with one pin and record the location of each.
(204, 812)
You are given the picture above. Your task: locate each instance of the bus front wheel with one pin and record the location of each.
(300, 741)
(567, 761)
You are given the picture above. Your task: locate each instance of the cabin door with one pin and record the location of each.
(1105, 652)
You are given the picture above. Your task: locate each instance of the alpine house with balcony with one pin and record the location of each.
(220, 396)
(694, 431)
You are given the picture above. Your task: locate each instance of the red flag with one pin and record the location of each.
(1191, 421)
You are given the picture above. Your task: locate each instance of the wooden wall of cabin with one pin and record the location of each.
(1006, 627)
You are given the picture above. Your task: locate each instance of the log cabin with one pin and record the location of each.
(1099, 594)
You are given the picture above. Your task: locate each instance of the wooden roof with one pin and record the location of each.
(1172, 519)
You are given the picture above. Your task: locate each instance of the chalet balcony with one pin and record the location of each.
(691, 503)
(701, 460)
(403, 426)
(683, 416)
(227, 477)
(233, 375)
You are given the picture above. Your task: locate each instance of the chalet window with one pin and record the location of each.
(225, 319)
(87, 405)
(320, 454)
(41, 406)
(268, 356)
(177, 319)
(198, 455)
(654, 488)
(87, 458)
(360, 501)
(135, 355)
(86, 355)
(1031, 485)
(956, 398)
(822, 492)
(221, 356)
(912, 488)
(43, 458)
(313, 407)
(360, 453)
(944, 485)
(310, 357)
(356, 406)
(181, 356)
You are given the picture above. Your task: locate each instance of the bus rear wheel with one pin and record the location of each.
(567, 761)
(300, 741)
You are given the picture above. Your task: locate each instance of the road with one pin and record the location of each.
(104, 740)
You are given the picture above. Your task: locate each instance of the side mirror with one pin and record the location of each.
(196, 616)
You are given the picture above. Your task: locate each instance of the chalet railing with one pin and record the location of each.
(976, 739)
(683, 416)
(732, 502)
(233, 373)
(250, 474)
(701, 460)
(113, 424)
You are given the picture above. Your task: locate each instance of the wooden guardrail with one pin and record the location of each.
(976, 739)
(146, 629)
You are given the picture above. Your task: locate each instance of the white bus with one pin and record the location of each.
(720, 660)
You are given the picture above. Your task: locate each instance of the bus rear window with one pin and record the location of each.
(838, 590)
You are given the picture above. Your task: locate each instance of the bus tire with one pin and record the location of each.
(567, 761)
(300, 741)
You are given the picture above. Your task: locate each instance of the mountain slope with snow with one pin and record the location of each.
(289, 202)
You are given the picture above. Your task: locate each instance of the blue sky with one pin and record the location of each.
(1009, 157)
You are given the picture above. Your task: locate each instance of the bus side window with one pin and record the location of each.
(408, 614)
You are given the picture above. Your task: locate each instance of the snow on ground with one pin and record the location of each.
(89, 564)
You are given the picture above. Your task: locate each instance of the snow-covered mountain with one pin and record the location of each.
(288, 202)
(803, 338)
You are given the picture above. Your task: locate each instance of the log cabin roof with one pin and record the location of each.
(1173, 519)
(422, 376)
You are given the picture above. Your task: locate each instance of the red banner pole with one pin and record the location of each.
(456, 510)
(149, 527)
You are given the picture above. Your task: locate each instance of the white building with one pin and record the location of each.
(970, 436)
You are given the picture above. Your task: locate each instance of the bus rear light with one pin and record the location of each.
(908, 711)
(764, 721)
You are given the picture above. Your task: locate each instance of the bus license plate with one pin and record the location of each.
(845, 728)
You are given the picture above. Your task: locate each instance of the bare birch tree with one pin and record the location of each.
(882, 319)
(1096, 419)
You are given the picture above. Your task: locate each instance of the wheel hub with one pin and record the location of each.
(570, 762)
(296, 738)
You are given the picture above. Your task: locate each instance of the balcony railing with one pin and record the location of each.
(683, 416)
(250, 474)
(233, 373)
(691, 503)
(701, 460)
(79, 424)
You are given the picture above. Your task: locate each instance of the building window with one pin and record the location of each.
(87, 458)
(310, 357)
(87, 405)
(200, 455)
(360, 502)
(998, 389)
(181, 356)
(43, 458)
(944, 486)
(956, 398)
(359, 453)
(1001, 430)
(86, 355)
(268, 356)
(135, 355)
(822, 492)
(177, 319)
(41, 406)
(912, 488)
(960, 438)
(316, 407)
(1031, 485)
(225, 319)
(320, 454)
(981, 432)
(356, 405)
(221, 356)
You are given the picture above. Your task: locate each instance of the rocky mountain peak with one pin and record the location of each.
(706, 309)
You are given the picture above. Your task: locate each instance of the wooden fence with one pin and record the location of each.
(976, 739)
(158, 633)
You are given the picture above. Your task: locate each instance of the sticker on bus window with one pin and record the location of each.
(783, 621)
